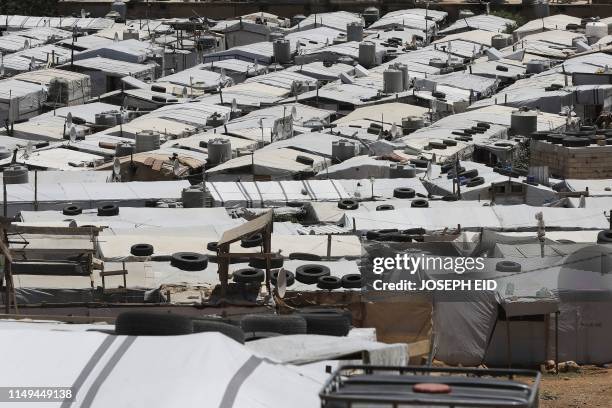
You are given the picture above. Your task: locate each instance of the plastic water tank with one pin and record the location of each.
(465, 14)
(596, 29)
(354, 31)
(367, 54)
(537, 66)
(371, 15)
(405, 75)
(282, 51)
(120, 7)
(412, 123)
(523, 123)
(131, 35)
(16, 174)
(219, 151)
(146, 141)
(392, 81)
(193, 197)
(124, 149)
(499, 41)
(343, 150)
(541, 9)
(401, 171)
(297, 19)
(110, 118)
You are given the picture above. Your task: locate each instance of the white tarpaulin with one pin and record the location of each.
(197, 370)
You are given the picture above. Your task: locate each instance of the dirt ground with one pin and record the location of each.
(591, 387)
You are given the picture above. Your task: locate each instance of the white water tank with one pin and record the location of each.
(282, 51)
(343, 150)
(193, 197)
(465, 14)
(120, 7)
(354, 31)
(146, 141)
(15, 174)
(412, 123)
(499, 41)
(536, 66)
(401, 171)
(219, 151)
(596, 29)
(392, 81)
(523, 123)
(371, 15)
(367, 54)
(124, 149)
(131, 35)
(405, 76)
(541, 9)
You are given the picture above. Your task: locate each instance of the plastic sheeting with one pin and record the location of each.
(515, 217)
(303, 349)
(198, 370)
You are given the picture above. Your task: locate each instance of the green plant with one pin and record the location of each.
(518, 18)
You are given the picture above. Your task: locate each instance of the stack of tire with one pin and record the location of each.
(139, 323)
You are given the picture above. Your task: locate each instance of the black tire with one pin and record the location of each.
(476, 181)
(449, 142)
(161, 258)
(404, 192)
(295, 204)
(395, 237)
(72, 210)
(484, 125)
(212, 246)
(152, 324)
(348, 204)
(508, 266)
(502, 68)
(252, 336)
(282, 324)
(325, 311)
(189, 261)
(327, 324)
(329, 282)
(450, 197)
(108, 210)
(419, 163)
(249, 275)
(352, 281)
(290, 277)
(419, 203)
(385, 207)
(453, 174)
(604, 237)
(437, 145)
(142, 250)
(445, 168)
(209, 325)
(572, 141)
(414, 231)
(252, 241)
(305, 257)
(276, 261)
(468, 174)
(310, 273)
(308, 161)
